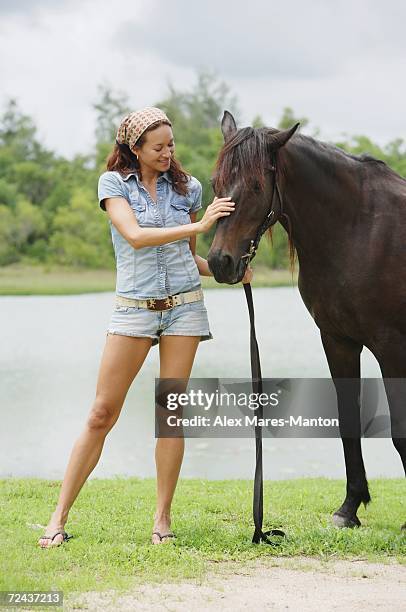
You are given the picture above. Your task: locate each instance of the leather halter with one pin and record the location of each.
(271, 217)
(257, 506)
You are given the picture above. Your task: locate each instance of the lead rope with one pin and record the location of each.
(257, 508)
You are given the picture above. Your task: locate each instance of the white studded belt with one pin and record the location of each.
(162, 304)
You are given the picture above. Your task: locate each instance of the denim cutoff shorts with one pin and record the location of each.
(183, 320)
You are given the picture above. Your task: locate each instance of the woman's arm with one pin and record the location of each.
(201, 263)
(124, 220)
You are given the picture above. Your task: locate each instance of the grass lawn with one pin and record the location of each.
(112, 519)
(40, 280)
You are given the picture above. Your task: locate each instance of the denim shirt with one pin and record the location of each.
(153, 271)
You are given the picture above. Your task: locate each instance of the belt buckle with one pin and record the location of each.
(151, 304)
(163, 304)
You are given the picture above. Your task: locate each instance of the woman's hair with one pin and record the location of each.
(123, 160)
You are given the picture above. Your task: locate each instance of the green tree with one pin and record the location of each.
(18, 135)
(257, 122)
(81, 234)
(17, 131)
(288, 119)
(8, 251)
(20, 228)
(194, 113)
(8, 193)
(110, 109)
(32, 180)
(394, 153)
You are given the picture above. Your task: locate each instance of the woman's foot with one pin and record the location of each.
(162, 529)
(55, 524)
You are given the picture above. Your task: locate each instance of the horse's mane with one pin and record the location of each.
(336, 152)
(248, 151)
(246, 155)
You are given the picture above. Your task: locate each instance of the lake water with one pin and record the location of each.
(49, 357)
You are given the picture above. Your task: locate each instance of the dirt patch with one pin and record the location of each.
(299, 584)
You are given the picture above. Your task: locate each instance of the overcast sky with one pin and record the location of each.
(341, 63)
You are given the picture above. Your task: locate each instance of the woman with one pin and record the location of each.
(152, 205)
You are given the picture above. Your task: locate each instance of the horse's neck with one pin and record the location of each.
(318, 197)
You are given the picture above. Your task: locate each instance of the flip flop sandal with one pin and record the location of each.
(66, 537)
(165, 535)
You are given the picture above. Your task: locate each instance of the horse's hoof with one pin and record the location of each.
(341, 521)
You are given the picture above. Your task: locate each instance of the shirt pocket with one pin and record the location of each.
(139, 207)
(180, 207)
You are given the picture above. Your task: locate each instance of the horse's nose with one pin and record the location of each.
(222, 266)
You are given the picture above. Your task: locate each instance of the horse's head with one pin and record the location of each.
(245, 170)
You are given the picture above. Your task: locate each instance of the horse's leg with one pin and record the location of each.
(392, 362)
(343, 356)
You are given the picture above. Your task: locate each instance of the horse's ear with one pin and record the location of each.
(228, 125)
(278, 139)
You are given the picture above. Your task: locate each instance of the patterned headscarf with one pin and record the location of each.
(134, 124)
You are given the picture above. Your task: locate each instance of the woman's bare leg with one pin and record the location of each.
(121, 361)
(176, 354)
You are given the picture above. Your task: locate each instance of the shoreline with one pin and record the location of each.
(18, 279)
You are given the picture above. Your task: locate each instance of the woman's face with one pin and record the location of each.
(157, 150)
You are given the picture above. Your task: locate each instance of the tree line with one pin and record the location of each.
(49, 212)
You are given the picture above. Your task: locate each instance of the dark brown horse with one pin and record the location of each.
(346, 216)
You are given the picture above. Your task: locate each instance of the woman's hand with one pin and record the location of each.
(220, 207)
(249, 273)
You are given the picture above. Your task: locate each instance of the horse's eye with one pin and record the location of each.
(256, 187)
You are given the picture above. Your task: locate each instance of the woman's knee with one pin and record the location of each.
(103, 415)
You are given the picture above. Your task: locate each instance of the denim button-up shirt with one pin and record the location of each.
(153, 271)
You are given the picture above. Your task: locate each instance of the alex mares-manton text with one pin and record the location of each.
(249, 421)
